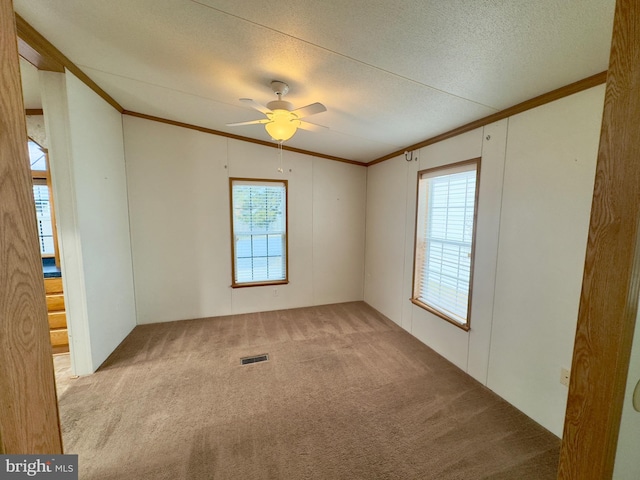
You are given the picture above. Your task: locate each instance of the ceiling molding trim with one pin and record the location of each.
(33, 111)
(41, 62)
(38, 51)
(238, 137)
(580, 85)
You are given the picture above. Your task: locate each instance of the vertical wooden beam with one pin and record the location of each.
(28, 405)
(611, 282)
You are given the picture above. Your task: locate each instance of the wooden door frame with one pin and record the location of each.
(28, 404)
(611, 280)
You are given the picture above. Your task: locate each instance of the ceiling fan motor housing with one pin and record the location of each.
(280, 105)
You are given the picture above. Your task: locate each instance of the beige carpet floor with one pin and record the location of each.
(345, 394)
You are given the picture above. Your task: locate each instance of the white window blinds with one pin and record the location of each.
(43, 217)
(444, 240)
(259, 222)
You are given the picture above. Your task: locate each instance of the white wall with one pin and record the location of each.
(536, 182)
(54, 101)
(97, 149)
(548, 189)
(339, 213)
(627, 466)
(175, 178)
(385, 235)
(179, 205)
(89, 183)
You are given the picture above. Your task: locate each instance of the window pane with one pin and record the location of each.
(44, 228)
(444, 239)
(259, 230)
(43, 218)
(275, 245)
(244, 271)
(259, 244)
(46, 245)
(276, 268)
(37, 157)
(243, 246)
(260, 271)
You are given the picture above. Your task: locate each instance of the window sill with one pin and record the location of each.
(259, 284)
(443, 316)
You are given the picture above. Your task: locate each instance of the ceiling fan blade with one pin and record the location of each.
(250, 122)
(312, 127)
(310, 110)
(256, 105)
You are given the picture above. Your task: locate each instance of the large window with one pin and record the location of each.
(445, 232)
(259, 231)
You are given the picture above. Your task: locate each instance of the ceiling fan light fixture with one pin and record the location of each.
(283, 125)
(282, 120)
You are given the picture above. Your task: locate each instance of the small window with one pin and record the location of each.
(43, 217)
(43, 198)
(259, 232)
(445, 237)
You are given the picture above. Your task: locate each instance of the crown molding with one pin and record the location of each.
(580, 85)
(41, 53)
(239, 137)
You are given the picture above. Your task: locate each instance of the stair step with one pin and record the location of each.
(59, 337)
(60, 349)
(57, 320)
(57, 316)
(55, 303)
(53, 285)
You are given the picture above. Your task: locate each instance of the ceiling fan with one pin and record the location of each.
(282, 120)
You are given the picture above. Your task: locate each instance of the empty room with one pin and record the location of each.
(317, 240)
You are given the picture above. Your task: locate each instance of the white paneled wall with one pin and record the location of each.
(548, 188)
(536, 184)
(386, 225)
(90, 187)
(339, 211)
(100, 184)
(488, 229)
(178, 181)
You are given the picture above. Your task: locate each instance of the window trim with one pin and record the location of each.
(466, 326)
(284, 281)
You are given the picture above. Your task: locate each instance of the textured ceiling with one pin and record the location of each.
(391, 73)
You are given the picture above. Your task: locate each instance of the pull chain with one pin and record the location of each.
(281, 168)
